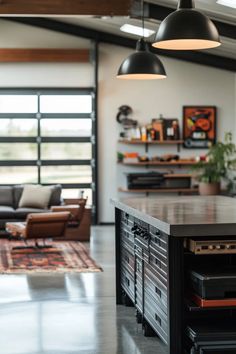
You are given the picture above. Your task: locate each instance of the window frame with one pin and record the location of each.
(38, 139)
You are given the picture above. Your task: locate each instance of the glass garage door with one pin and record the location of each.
(48, 136)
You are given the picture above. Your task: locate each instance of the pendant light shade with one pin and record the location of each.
(187, 29)
(142, 65)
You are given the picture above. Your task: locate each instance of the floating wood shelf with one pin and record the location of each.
(154, 142)
(177, 190)
(160, 163)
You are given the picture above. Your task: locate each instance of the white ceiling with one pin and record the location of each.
(112, 24)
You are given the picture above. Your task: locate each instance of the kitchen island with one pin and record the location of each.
(159, 242)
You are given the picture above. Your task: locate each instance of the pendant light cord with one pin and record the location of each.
(142, 14)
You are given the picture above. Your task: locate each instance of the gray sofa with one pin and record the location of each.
(9, 201)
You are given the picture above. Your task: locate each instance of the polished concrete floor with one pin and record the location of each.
(71, 314)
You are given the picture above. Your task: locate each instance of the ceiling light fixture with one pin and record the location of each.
(138, 31)
(229, 3)
(187, 29)
(142, 65)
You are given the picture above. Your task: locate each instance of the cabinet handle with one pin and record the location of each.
(158, 291)
(158, 263)
(157, 241)
(127, 281)
(158, 319)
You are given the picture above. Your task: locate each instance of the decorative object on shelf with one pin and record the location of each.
(142, 65)
(158, 180)
(131, 157)
(158, 128)
(187, 29)
(129, 125)
(199, 126)
(120, 156)
(122, 117)
(168, 158)
(220, 161)
(143, 158)
(171, 129)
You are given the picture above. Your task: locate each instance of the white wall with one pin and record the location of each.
(187, 84)
(14, 35)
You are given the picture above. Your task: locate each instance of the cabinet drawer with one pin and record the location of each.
(159, 239)
(157, 291)
(125, 216)
(163, 238)
(156, 317)
(155, 248)
(139, 302)
(127, 245)
(127, 236)
(127, 239)
(127, 221)
(156, 275)
(127, 259)
(158, 262)
(139, 284)
(127, 283)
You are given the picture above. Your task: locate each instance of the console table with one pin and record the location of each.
(152, 259)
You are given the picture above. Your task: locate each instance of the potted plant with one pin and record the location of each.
(220, 160)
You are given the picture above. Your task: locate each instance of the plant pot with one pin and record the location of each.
(209, 188)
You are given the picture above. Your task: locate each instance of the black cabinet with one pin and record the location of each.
(177, 266)
(143, 266)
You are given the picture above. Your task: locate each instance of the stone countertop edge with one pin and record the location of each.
(180, 230)
(163, 226)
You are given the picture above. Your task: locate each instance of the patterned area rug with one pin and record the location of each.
(63, 257)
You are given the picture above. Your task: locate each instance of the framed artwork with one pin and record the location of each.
(199, 126)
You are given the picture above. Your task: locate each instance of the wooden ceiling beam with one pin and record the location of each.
(34, 55)
(66, 7)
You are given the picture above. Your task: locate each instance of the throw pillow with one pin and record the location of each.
(35, 196)
(56, 195)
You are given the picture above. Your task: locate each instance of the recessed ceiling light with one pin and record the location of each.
(229, 3)
(136, 30)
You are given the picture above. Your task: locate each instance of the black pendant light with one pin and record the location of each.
(187, 29)
(142, 65)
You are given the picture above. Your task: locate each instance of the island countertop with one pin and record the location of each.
(191, 216)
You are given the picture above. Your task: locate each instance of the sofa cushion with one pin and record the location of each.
(6, 196)
(35, 196)
(54, 200)
(21, 213)
(17, 192)
(6, 212)
(56, 195)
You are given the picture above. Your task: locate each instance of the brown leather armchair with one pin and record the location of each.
(78, 229)
(40, 226)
